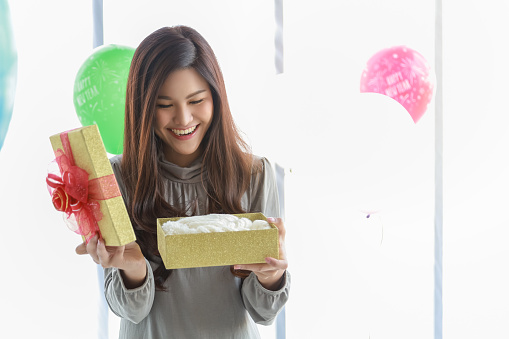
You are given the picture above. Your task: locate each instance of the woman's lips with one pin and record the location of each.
(183, 134)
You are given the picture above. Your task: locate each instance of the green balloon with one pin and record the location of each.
(99, 93)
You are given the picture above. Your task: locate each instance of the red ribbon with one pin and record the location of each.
(75, 195)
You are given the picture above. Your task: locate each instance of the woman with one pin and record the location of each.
(184, 156)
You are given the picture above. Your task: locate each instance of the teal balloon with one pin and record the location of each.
(100, 90)
(8, 70)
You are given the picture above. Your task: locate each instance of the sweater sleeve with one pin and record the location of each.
(130, 304)
(262, 304)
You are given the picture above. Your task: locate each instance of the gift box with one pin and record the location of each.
(218, 248)
(86, 188)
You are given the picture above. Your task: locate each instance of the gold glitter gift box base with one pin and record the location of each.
(218, 248)
(89, 154)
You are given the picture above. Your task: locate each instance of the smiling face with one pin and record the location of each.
(184, 110)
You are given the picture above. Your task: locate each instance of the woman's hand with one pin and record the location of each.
(270, 274)
(129, 259)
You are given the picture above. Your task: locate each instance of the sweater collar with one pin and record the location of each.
(190, 174)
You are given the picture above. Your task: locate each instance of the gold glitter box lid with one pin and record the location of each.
(89, 154)
(218, 248)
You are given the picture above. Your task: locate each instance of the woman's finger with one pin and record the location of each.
(108, 256)
(92, 249)
(102, 254)
(81, 249)
(278, 222)
(271, 265)
(250, 267)
(277, 264)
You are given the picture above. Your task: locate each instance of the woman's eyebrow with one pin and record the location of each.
(189, 96)
(163, 97)
(193, 94)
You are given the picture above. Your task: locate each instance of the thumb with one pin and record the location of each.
(81, 249)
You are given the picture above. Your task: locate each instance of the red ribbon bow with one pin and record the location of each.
(75, 195)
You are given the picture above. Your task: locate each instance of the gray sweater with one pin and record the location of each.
(206, 302)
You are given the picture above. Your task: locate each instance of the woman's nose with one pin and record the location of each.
(183, 116)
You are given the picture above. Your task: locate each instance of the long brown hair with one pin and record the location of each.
(226, 156)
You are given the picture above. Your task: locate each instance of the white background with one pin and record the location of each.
(344, 154)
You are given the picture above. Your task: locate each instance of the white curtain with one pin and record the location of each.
(476, 164)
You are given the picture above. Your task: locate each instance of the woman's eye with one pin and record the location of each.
(164, 106)
(196, 102)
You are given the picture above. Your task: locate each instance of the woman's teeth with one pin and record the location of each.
(181, 132)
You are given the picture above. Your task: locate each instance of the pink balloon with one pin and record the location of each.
(401, 74)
